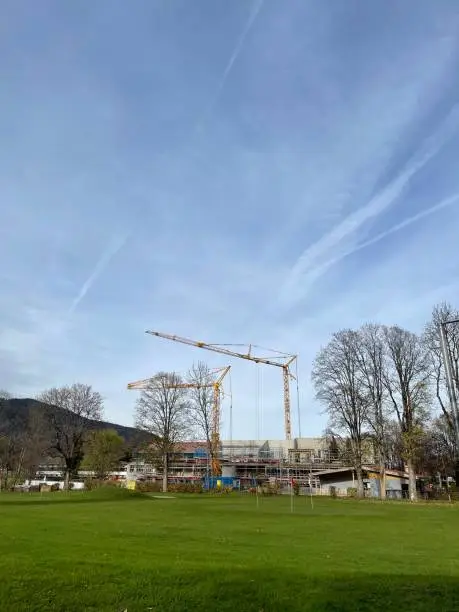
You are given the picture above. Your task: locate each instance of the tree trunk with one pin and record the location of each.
(382, 475)
(67, 480)
(17, 476)
(382, 482)
(456, 472)
(411, 480)
(165, 471)
(359, 473)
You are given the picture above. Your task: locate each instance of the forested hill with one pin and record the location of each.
(15, 415)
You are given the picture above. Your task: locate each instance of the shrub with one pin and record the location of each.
(96, 483)
(453, 492)
(333, 492)
(150, 486)
(351, 492)
(186, 487)
(90, 484)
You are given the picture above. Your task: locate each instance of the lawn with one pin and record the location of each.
(111, 551)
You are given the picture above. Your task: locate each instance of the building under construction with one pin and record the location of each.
(241, 463)
(224, 456)
(244, 463)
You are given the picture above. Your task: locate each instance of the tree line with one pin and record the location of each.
(170, 409)
(384, 391)
(65, 434)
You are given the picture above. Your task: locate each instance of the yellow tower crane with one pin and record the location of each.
(216, 409)
(284, 362)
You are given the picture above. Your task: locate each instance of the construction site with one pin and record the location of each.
(242, 464)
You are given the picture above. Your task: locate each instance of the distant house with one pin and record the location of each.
(345, 478)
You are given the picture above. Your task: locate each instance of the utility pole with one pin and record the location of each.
(451, 383)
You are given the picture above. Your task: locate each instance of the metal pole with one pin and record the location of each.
(298, 399)
(287, 418)
(450, 383)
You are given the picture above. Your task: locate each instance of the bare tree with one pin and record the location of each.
(406, 381)
(338, 386)
(201, 396)
(69, 425)
(394, 445)
(163, 410)
(371, 365)
(440, 314)
(20, 454)
(10, 454)
(10, 442)
(439, 449)
(36, 442)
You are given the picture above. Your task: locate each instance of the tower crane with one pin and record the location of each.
(285, 361)
(216, 409)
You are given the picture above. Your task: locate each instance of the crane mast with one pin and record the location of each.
(216, 409)
(284, 362)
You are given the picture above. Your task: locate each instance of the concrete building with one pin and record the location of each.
(342, 479)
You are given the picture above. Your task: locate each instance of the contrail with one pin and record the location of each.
(378, 204)
(118, 244)
(318, 271)
(446, 203)
(237, 49)
(113, 248)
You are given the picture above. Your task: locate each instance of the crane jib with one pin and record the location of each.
(288, 360)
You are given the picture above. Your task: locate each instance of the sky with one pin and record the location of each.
(252, 171)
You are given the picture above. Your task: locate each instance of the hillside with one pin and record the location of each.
(15, 415)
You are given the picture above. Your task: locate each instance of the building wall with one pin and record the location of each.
(342, 482)
(395, 483)
(312, 443)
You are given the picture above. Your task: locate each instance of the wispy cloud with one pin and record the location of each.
(302, 135)
(308, 264)
(115, 245)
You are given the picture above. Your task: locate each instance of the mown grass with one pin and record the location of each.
(113, 550)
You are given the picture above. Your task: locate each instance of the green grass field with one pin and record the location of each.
(113, 550)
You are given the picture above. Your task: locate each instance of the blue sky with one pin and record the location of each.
(244, 171)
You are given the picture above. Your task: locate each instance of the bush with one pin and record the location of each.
(268, 489)
(274, 489)
(333, 492)
(186, 487)
(96, 483)
(150, 486)
(351, 492)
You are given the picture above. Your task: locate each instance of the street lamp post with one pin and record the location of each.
(451, 385)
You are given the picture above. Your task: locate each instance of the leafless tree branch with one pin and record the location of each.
(163, 410)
